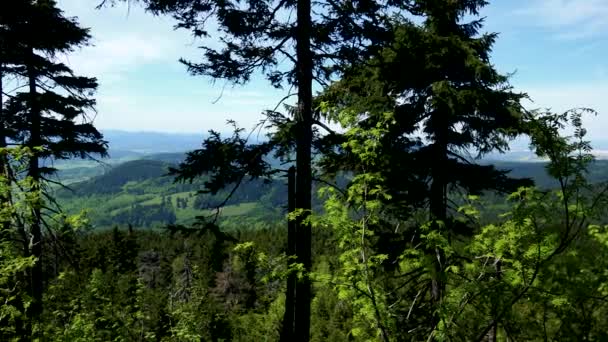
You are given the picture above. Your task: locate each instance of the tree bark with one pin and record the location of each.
(5, 200)
(493, 333)
(303, 164)
(438, 215)
(3, 144)
(287, 333)
(35, 141)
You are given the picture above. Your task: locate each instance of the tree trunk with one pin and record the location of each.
(438, 215)
(492, 334)
(4, 200)
(287, 332)
(34, 172)
(21, 325)
(303, 165)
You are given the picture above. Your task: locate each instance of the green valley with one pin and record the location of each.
(142, 194)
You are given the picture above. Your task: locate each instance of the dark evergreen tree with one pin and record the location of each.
(448, 106)
(4, 164)
(50, 118)
(258, 36)
(8, 52)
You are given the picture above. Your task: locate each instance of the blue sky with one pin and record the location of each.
(556, 47)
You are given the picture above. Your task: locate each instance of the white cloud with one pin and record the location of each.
(248, 96)
(190, 110)
(124, 39)
(560, 98)
(163, 97)
(111, 58)
(165, 117)
(569, 19)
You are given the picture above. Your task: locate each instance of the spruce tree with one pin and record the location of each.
(258, 36)
(448, 105)
(3, 131)
(51, 117)
(7, 48)
(469, 106)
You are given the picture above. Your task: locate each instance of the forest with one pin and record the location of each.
(367, 212)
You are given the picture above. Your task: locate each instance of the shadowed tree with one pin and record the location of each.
(447, 105)
(293, 43)
(50, 117)
(3, 126)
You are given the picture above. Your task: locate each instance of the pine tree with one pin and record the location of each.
(50, 118)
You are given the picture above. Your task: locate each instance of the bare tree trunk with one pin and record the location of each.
(287, 333)
(4, 200)
(303, 165)
(34, 172)
(438, 216)
(9, 227)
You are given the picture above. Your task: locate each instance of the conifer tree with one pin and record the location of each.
(6, 47)
(317, 42)
(468, 108)
(50, 118)
(448, 105)
(3, 134)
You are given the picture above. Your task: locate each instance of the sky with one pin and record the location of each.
(556, 48)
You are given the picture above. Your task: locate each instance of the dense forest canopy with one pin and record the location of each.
(366, 213)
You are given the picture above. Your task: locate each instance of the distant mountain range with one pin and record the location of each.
(151, 142)
(141, 193)
(125, 146)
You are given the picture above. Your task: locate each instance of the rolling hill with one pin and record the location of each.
(139, 192)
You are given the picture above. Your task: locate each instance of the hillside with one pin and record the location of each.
(598, 171)
(152, 142)
(141, 194)
(113, 181)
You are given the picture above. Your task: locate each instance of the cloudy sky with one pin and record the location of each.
(556, 47)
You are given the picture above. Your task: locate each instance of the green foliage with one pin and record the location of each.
(499, 280)
(12, 295)
(414, 242)
(359, 280)
(141, 194)
(196, 316)
(517, 277)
